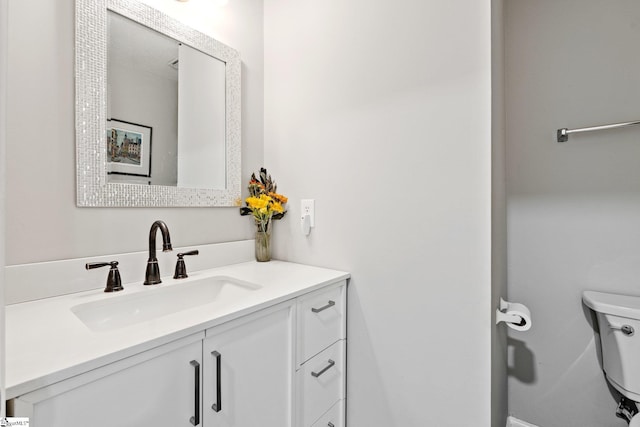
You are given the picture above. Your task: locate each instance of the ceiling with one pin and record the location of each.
(133, 45)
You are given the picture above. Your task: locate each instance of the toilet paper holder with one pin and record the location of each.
(511, 319)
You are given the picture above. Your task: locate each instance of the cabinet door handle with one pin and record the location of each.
(195, 420)
(329, 304)
(325, 369)
(331, 424)
(217, 407)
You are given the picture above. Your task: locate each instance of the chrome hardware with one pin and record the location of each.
(626, 329)
(563, 134)
(329, 305)
(217, 407)
(325, 369)
(195, 420)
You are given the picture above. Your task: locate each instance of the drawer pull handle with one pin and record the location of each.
(325, 369)
(195, 420)
(329, 305)
(331, 424)
(217, 407)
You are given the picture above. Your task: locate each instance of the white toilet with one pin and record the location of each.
(619, 325)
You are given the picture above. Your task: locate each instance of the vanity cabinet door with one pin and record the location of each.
(160, 391)
(248, 371)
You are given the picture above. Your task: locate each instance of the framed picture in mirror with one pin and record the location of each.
(128, 148)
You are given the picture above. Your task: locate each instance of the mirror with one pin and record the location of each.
(157, 110)
(173, 99)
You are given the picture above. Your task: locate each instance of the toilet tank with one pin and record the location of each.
(619, 330)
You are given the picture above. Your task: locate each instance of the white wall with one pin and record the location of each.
(499, 389)
(573, 208)
(201, 120)
(150, 100)
(43, 222)
(381, 112)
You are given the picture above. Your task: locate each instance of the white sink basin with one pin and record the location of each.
(152, 302)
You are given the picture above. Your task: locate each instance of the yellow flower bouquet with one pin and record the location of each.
(264, 204)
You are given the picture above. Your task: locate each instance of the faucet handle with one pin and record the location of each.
(114, 282)
(181, 268)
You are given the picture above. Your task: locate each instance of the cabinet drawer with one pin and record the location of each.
(320, 321)
(320, 384)
(333, 418)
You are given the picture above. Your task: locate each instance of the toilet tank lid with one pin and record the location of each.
(616, 304)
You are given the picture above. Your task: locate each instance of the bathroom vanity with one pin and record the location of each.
(248, 344)
(236, 343)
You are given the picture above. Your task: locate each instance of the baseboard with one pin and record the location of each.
(514, 422)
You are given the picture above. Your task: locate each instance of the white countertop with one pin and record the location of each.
(47, 343)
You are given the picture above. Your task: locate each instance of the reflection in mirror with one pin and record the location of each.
(157, 110)
(165, 109)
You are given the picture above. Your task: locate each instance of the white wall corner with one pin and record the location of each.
(514, 422)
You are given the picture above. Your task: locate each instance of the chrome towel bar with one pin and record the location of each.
(563, 134)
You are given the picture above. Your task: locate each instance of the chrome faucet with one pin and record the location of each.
(152, 276)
